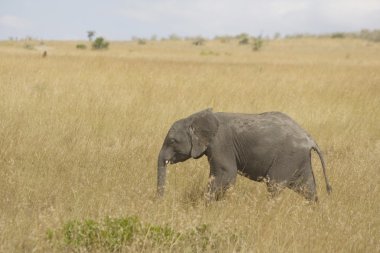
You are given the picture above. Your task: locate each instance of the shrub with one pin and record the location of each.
(257, 43)
(199, 41)
(337, 35)
(244, 41)
(224, 39)
(243, 38)
(28, 46)
(141, 41)
(116, 234)
(100, 43)
(81, 46)
(162, 235)
(174, 37)
(110, 234)
(373, 35)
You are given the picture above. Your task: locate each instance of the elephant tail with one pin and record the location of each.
(319, 152)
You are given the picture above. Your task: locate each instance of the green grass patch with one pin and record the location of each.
(129, 233)
(208, 53)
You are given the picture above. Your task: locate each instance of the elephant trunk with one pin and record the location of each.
(161, 174)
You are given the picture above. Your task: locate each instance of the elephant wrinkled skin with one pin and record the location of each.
(269, 147)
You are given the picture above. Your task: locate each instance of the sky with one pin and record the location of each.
(124, 19)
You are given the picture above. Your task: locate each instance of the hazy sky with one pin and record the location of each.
(122, 19)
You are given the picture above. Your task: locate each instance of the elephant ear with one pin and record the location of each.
(203, 128)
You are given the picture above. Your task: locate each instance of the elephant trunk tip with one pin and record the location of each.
(329, 188)
(161, 177)
(160, 192)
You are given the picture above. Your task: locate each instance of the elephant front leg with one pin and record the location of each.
(210, 194)
(218, 184)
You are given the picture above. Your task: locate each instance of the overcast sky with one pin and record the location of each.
(123, 19)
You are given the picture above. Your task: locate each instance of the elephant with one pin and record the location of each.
(268, 147)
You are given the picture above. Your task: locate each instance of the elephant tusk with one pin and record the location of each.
(166, 162)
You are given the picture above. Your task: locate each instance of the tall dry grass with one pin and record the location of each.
(80, 133)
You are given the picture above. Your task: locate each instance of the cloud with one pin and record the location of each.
(126, 18)
(13, 22)
(210, 17)
(148, 12)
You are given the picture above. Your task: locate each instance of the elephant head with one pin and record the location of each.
(188, 137)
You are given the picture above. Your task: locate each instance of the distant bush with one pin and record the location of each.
(28, 46)
(114, 234)
(81, 46)
(174, 37)
(370, 35)
(224, 39)
(373, 35)
(338, 35)
(199, 41)
(141, 41)
(100, 43)
(242, 36)
(243, 39)
(277, 36)
(257, 43)
(299, 36)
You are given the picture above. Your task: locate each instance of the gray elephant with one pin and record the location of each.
(269, 147)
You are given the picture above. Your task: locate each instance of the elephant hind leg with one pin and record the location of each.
(307, 191)
(305, 186)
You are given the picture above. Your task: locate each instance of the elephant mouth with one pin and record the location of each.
(170, 161)
(176, 159)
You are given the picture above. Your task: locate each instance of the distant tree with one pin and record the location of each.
(100, 43)
(90, 34)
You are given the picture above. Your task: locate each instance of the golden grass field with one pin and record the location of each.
(80, 132)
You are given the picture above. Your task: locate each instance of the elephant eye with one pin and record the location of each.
(172, 140)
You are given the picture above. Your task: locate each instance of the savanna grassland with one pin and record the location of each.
(80, 132)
